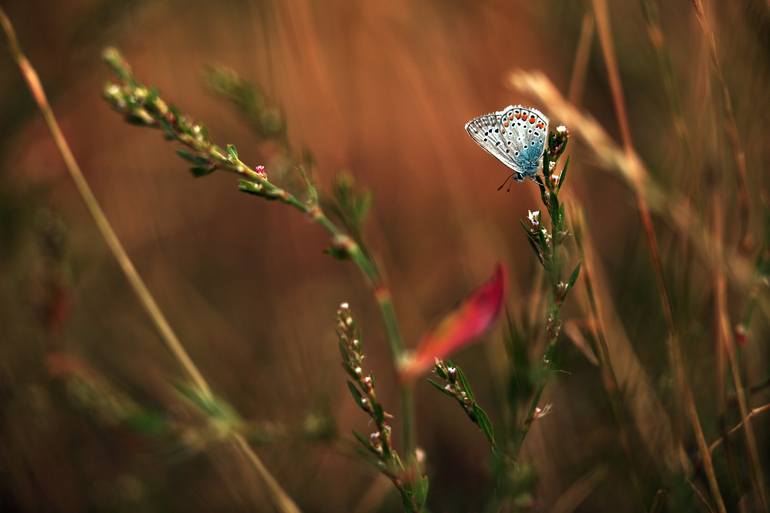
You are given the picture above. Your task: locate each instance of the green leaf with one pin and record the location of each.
(482, 420)
(256, 189)
(199, 171)
(440, 388)
(420, 492)
(349, 204)
(554, 207)
(378, 413)
(212, 406)
(136, 119)
(148, 423)
(439, 370)
(337, 252)
(563, 174)
(232, 152)
(193, 158)
(358, 397)
(369, 450)
(466, 386)
(574, 276)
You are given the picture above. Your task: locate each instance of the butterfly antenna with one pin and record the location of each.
(505, 182)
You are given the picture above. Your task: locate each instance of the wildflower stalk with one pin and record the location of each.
(457, 386)
(379, 448)
(547, 245)
(280, 499)
(143, 106)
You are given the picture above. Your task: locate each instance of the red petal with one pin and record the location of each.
(461, 327)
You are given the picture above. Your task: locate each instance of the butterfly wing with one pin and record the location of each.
(515, 136)
(488, 132)
(525, 131)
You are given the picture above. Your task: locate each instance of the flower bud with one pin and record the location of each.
(557, 142)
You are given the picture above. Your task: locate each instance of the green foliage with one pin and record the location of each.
(348, 204)
(456, 385)
(212, 407)
(378, 448)
(250, 101)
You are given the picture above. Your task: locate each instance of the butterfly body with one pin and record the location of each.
(516, 136)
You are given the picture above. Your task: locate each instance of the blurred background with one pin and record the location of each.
(382, 90)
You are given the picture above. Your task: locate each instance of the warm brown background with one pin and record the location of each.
(380, 88)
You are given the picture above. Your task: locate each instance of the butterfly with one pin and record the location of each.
(516, 136)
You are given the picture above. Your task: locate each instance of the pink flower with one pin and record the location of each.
(461, 327)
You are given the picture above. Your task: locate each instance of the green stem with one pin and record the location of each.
(154, 112)
(532, 411)
(553, 265)
(371, 273)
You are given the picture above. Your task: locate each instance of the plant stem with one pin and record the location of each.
(393, 334)
(552, 263)
(684, 391)
(156, 113)
(279, 497)
(532, 411)
(751, 414)
(727, 343)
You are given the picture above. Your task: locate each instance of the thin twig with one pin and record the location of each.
(278, 496)
(751, 414)
(725, 339)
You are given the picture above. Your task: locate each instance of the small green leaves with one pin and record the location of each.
(263, 189)
(118, 65)
(573, 277)
(378, 448)
(349, 204)
(563, 175)
(557, 142)
(416, 495)
(250, 101)
(341, 247)
(192, 158)
(144, 106)
(360, 400)
(199, 171)
(202, 166)
(212, 407)
(456, 386)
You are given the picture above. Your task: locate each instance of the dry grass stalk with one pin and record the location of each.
(279, 498)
